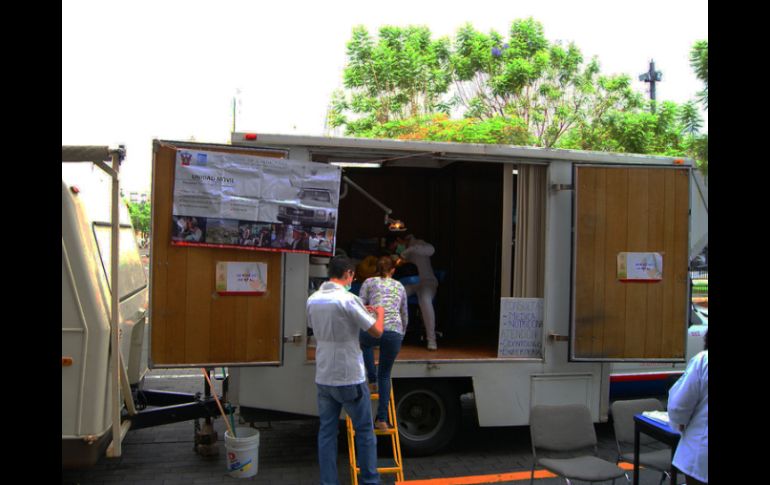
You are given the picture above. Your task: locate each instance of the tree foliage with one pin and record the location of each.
(517, 89)
(140, 217)
(440, 127)
(699, 61)
(402, 75)
(544, 84)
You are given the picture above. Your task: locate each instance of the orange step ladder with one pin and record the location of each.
(393, 465)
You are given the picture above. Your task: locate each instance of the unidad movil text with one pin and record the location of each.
(209, 178)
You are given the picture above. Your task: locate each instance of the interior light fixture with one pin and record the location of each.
(394, 225)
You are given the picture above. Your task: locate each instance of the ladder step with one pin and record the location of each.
(389, 432)
(385, 465)
(392, 465)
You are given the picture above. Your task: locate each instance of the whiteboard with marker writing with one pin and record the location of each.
(521, 328)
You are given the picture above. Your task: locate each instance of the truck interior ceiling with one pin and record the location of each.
(458, 208)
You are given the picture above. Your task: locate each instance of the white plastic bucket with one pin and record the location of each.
(242, 452)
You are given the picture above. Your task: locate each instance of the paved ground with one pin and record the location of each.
(287, 451)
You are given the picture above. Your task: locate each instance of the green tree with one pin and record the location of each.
(140, 217)
(404, 74)
(636, 130)
(521, 90)
(526, 79)
(698, 146)
(497, 130)
(699, 61)
(690, 118)
(543, 84)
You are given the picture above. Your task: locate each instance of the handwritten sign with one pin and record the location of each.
(640, 266)
(239, 278)
(521, 328)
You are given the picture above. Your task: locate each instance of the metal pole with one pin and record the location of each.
(115, 318)
(368, 195)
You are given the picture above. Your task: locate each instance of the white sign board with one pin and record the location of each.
(640, 267)
(259, 203)
(241, 278)
(521, 328)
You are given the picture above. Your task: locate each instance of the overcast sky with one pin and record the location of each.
(138, 70)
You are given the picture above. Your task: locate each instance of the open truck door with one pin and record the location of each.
(222, 218)
(192, 325)
(630, 263)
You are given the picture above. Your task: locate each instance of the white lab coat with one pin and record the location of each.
(419, 252)
(688, 405)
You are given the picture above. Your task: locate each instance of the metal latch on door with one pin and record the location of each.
(294, 339)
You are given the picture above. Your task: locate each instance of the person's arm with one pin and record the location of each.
(420, 248)
(684, 395)
(377, 329)
(360, 314)
(404, 308)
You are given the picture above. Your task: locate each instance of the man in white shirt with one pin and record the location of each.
(336, 315)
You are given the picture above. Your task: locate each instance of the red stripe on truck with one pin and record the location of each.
(644, 377)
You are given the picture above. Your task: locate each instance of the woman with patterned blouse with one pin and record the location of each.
(382, 290)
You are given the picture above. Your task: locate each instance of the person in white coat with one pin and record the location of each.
(418, 252)
(688, 411)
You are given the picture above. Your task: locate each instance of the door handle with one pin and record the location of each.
(557, 338)
(294, 339)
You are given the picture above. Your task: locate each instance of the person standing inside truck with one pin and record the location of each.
(336, 316)
(413, 250)
(382, 290)
(688, 411)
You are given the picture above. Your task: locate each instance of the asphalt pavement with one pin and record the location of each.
(164, 455)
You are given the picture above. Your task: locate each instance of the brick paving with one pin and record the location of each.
(164, 455)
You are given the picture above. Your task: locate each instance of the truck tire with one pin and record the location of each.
(428, 414)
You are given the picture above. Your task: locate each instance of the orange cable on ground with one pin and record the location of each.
(493, 478)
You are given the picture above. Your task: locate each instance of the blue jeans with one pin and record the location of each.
(390, 345)
(356, 401)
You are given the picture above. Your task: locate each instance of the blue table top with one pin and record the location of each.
(658, 424)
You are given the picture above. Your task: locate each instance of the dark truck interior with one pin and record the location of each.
(457, 209)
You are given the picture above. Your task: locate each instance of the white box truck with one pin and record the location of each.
(600, 241)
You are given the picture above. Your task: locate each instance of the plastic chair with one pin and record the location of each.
(569, 430)
(623, 421)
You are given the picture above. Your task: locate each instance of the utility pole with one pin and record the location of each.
(233, 131)
(652, 76)
(236, 102)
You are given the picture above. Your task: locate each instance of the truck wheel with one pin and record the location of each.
(428, 414)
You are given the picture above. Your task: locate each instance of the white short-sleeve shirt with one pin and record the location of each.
(688, 405)
(336, 316)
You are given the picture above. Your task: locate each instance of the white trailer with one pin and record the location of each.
(507, 222)
(98, 255)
